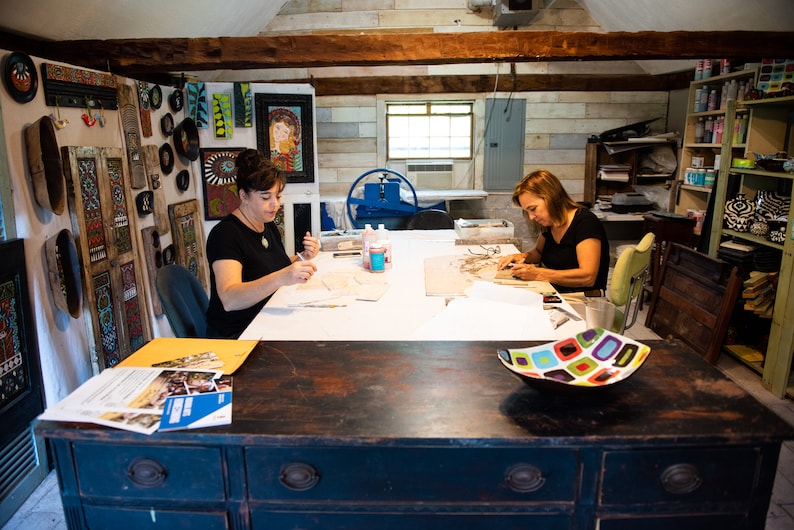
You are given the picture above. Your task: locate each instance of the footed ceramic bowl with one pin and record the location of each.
(593, 359)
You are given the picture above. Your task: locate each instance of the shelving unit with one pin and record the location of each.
(696, 197)
(625, 153)
(769, 131)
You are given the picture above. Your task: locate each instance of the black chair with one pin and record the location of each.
(431, 219)
(184, 301)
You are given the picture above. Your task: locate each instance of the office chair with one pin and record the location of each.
(184, 301)
(628, 281)
(431, 219)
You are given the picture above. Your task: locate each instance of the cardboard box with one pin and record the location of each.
(333, 240)
(483, 228)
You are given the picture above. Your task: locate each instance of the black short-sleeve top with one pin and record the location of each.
(231, 239)
(562, 255)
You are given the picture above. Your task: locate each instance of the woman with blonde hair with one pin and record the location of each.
(572, 251)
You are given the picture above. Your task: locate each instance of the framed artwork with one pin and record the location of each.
(188, 238)
(219, 173)
(284, 129)
(21, 397)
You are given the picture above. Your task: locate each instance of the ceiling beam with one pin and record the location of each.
(144, 57)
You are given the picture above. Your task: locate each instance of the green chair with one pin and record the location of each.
(628, 281)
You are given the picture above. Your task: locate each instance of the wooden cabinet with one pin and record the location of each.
(769, 131)
(395, 435)
(627, 164)
(693, 193)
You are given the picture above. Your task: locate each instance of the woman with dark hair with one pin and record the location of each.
(247, 260)
(572, 251)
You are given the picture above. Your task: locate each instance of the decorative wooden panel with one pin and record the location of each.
(188, 237)
(151, 157)
(101, 209)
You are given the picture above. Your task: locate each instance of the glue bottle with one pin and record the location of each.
(383, 240)
(367, 238)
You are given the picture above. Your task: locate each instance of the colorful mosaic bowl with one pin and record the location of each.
(595, 358)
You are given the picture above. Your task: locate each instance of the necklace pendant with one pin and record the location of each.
(265, 242)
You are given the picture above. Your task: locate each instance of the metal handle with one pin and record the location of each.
(147, 473)
(524, 478)
(681, 478)
(299, 476)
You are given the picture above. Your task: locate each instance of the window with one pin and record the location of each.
(429, 130)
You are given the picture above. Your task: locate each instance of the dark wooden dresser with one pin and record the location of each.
(410, 435)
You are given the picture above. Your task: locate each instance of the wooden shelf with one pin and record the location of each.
(747, 355)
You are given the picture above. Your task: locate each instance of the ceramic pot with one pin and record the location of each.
(771, 205)
(738, 213)
(777, 231)
(759, 228)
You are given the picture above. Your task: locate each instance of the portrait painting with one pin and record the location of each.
(284, 131)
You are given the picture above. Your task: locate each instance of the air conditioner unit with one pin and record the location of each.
(510, 13)
(431, 174)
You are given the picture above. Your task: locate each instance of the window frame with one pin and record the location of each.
(429, 103)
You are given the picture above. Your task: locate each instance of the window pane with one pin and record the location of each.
(429, 130)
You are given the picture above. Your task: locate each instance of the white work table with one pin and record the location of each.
(404, 312)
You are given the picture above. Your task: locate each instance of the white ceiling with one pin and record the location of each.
(129, 19)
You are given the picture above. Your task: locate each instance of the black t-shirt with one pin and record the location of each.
(231, 239)
(562, 255)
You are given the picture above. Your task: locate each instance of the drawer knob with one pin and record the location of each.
(147, 473)
(299, 476)
(524, 478)
(681, 478)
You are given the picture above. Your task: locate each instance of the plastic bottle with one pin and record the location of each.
(699, 69)
(712, 101)
(708, 130)
(383, 240)
(368, 237)
(699, 130)
(708, 65)
(377, 258)
(704, 99)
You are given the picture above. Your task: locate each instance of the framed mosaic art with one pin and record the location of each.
(219, 173)
(188, 238)
(21, 398)
(285, 129)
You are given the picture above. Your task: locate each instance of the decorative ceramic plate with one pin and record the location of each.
(593, 359)
(20, 77)
(155, 97)
(166, 159)
(167, 124)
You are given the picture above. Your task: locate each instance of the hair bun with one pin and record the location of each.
(249, 161)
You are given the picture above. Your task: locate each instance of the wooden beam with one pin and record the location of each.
(341, 86)
(137, 57)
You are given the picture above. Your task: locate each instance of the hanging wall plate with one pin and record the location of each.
(167, 124)
(20, 77)
(183, 180)
(166, 158)
(176, 100)
(155, 97)
(186, 139)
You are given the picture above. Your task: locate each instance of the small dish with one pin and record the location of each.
(593, 359)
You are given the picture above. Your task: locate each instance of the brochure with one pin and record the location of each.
(135, 399)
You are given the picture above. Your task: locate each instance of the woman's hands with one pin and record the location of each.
(311, 247)
(299, 272)
(507, 261)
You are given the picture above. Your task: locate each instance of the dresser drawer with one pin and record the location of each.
(149, 472)
(720, 521)
(140, 519)
(371, 474)
(271, 520)
(679, 476)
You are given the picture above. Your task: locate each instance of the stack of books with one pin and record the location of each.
(759, 293)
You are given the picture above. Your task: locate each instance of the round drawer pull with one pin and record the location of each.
(681, 478)
(524, 478)
(147, 473)
(299, 476)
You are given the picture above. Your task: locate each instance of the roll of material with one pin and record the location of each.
(617, 176)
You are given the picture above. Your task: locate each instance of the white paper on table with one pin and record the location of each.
(490, 312)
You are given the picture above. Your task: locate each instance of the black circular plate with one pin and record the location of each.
(155, 97)
(183, 180)
(167, 124)
(20, 77)
(166, 158)
(176, 100)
